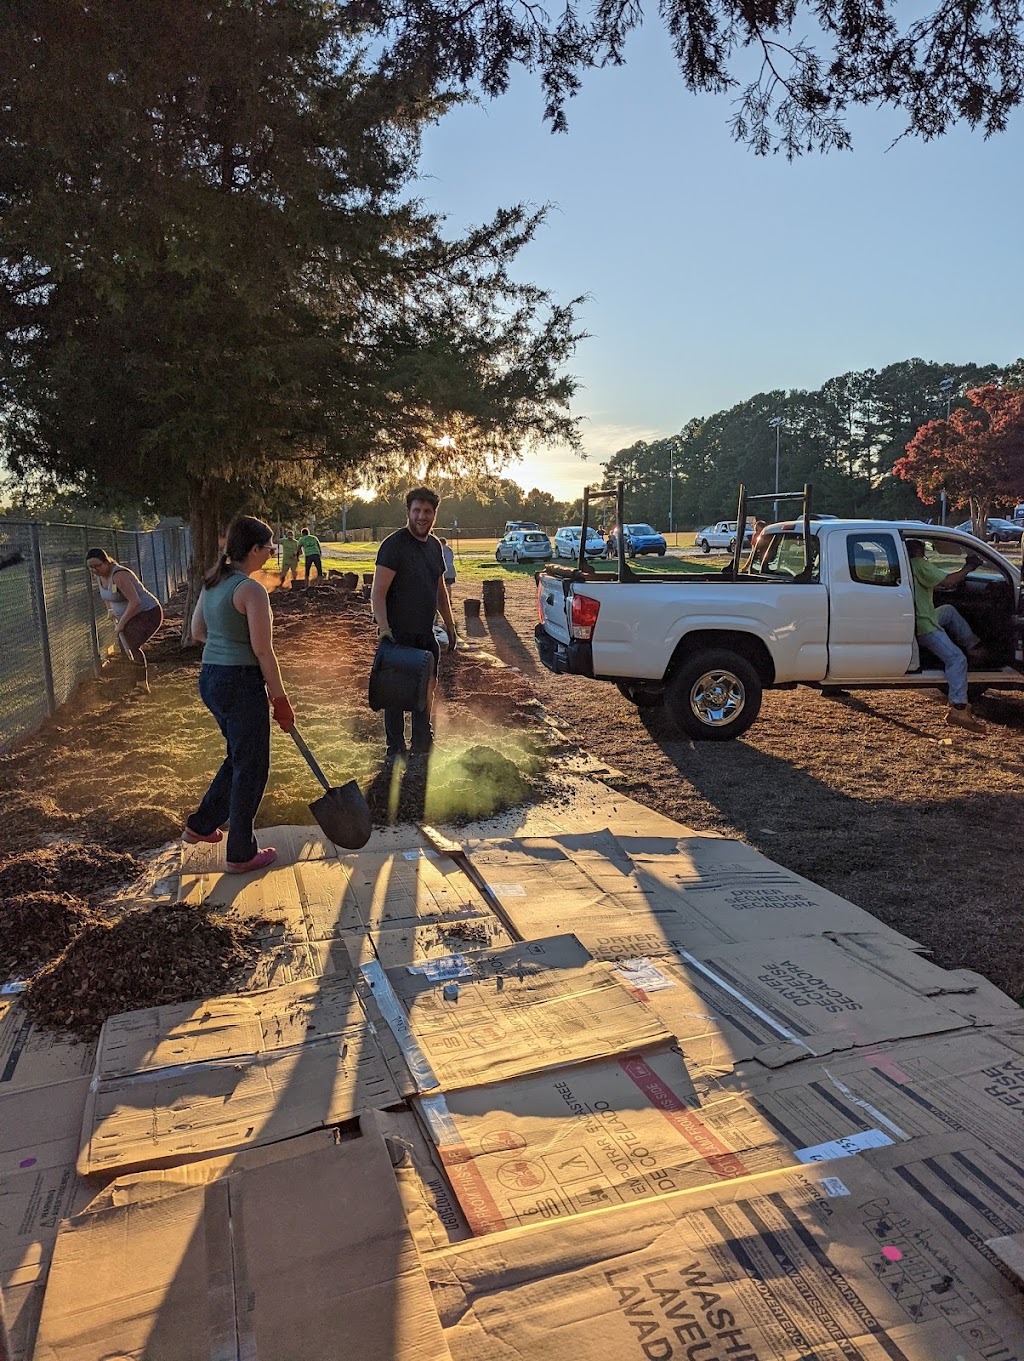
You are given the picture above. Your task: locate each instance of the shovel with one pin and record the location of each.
(343, 813)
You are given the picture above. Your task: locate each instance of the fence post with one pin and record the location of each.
(39, 596)
(97, 665)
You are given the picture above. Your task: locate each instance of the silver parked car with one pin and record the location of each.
(524, 545)
(567, 542)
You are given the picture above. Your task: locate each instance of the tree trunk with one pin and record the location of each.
(204, 519)
(980, 506)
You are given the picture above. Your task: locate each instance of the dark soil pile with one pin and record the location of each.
(168, 953)
(90, 872)
(37, 926)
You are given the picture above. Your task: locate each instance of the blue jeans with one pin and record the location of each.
(394, 719)
(237, 698)
(948, 644)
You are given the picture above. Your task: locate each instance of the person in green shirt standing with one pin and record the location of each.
(289, 555)
(943, 630)
(310, 546)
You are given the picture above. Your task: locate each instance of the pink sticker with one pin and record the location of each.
(892, 1254)
(27, 1162)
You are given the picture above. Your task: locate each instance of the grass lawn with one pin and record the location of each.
(475, 561)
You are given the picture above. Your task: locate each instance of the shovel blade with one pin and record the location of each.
(344, 816)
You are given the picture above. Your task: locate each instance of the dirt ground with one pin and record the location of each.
(870, 795)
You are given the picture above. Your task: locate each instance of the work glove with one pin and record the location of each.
(385, 633)
(284, 714)
(453, 640)
(973, 561)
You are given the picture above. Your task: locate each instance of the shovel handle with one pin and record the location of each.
(311, 760)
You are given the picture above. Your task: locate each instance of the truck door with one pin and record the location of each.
(871, 606)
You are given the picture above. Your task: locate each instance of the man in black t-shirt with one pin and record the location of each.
(408, 591)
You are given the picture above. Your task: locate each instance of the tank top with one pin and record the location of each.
(117, 603)
(227, 631)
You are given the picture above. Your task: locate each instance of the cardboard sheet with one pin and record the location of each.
(486, 1015)
(744, 894)
(561, 1143)
(411, 944)
(269, 896)
(39, 1130)
(789, 1267)
(183, 1082)
(304, 1257)
(432, 1210)
(967, 1082)
(816, 996)
(32, 1057)
(409, 886)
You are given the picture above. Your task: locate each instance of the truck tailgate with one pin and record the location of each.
(553, 607)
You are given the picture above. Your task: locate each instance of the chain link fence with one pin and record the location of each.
(54, 628)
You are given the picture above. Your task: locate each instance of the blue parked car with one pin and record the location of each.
(639, 539)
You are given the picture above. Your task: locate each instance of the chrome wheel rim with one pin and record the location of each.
(717, 698)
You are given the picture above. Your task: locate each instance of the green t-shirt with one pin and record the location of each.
(289, 549)
(926, 577)
(309, 543)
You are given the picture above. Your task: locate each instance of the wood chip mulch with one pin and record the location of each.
(167, 953)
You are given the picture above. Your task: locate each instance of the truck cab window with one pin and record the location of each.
(873, 560)
(782, 557)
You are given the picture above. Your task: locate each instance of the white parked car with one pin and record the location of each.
(567, 543)
(524, 545)
(722, 535)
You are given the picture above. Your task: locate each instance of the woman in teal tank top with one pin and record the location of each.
(240, 670)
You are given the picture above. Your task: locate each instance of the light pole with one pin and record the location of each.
(777, 422)
(946, 388)
(671, 481)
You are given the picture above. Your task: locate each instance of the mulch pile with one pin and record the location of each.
(89, 872)
(167, 953)
(37, 926)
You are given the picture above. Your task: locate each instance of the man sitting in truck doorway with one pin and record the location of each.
(944, 631)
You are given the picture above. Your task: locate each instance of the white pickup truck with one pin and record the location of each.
(707, 644)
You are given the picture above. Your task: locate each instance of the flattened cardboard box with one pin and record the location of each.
(183, 1082)
(788, 1267)
(269, 896)
(488, 1015)
(302, 1258)
(432, 1210)
(39, 1132)
(557, 1144)
(742, 893)
(967, 1083)
(545, 891)
(33, 1057)
(412, 944)
(816, 996)
(407, 886)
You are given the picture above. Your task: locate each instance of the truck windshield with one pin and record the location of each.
(781, 556)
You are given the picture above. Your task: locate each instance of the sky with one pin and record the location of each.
(711, 274)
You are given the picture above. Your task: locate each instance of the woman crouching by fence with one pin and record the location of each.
(239, 671)
(136, 611)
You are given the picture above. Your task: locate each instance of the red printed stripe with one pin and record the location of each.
(482, 1214)
(718, 1156)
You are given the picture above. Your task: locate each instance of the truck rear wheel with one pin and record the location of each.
(714, 696)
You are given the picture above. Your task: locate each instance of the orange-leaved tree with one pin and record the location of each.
(975, 456)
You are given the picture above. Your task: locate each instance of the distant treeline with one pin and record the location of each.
(843, 439)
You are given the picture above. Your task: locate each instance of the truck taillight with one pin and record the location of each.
(540, 600)
(583, 616)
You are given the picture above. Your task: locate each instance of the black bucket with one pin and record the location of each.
(400, 676)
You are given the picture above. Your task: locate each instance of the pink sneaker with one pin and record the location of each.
(260, 861)
(194, 839)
